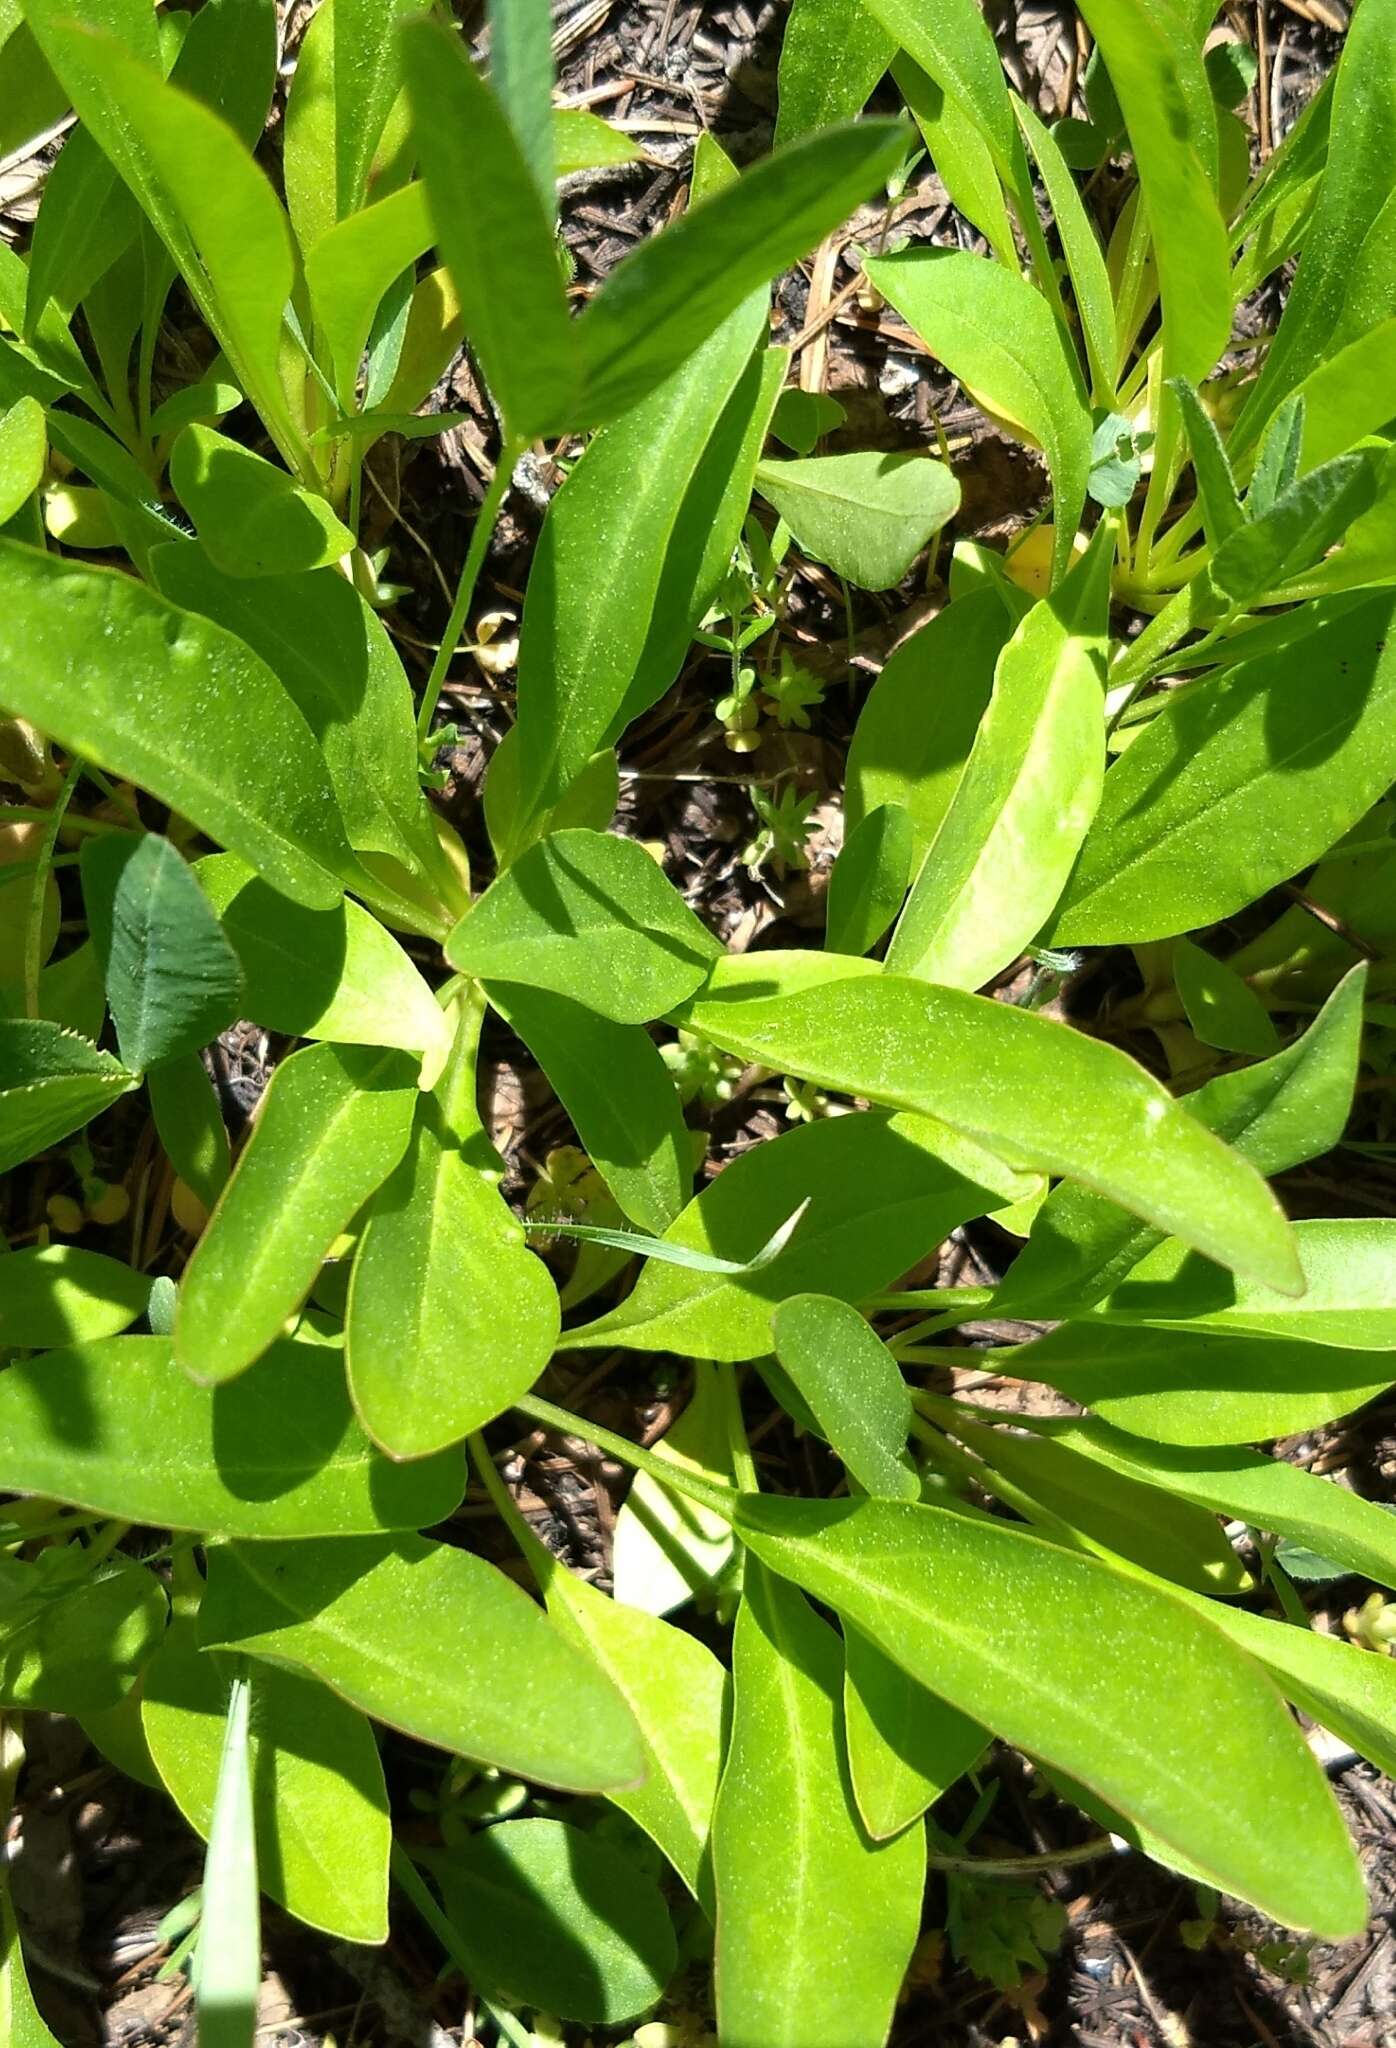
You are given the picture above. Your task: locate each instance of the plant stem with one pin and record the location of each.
(485, 521)
(743, 1464)
(708, 1493)
(1023, 1866)
(34, 926)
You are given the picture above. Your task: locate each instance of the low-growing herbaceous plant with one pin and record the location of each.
(1163, 721)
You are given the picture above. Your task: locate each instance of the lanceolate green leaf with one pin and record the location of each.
(433, 1641)
(592, 917)
(334, 1123)
(961, 154)
(854, 1388)
(253, 519)
(521, 78)
(1155, 66)
(1284, 1110)
(1000, 338)
(318, 1795)
(597, 580)
(51, 1083)
(671, 293)
(866, 515)
(146, 691)
(228, 1964)
(62, 1294)
(951, 40)
(1009, 1629)
(1239, 785)
(1019, 1083)
(115, 1426)
(1282, 1499)
(915, 731)
(832, 54)
(451, 1317)
(1004, 849)
(790, 1853)
(618, 1092)
(495, 237)
(223, 225)
(1085, 260)
(905, 1746)
(367, 79)
(333, 974)
(1345, 1688)
(173, 981)
(1349, 1297)
(1344, 281)
(23, 453)
(350, 269)
(1204, 1386)
(881, 1191)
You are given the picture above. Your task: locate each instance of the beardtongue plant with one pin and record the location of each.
(219, 734)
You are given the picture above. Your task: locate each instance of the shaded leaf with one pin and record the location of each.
(867, 516)
(51, 1083)
(854, 1388)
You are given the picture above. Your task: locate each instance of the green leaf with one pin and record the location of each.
(228, 1961)
(1204, 1386)
(173, 982)
(869, 881)
(331, 974)
(71, 1639)
(802, 418)
(337, 663)
(582, 141)
(253, 519)
(1268, 1493)
(1156, 69)
(1006, 844)
(881, 1191)
(1222, 1009)
(1288, 1109)
(494, 232)
(433, 1641)
(19, 2016)
(678, 1693)
(1085, 260)
(1345, 1688)
(521, 78)
(549, 1916)
(668, 1547)
(224, 227)
(999, 338)
(1216, 486)
(905, 1746)
(450, 1316)
(961, 153)
(333, 1124)
(51, 1083)
(951, 40)
(790, 1853)
(189, 1123)
(23, 455)
(618, 1092)
(365, 75)
(61, 1294)
(1343, 285)
(320, 1805)
(832, 56)
(116, 1427)
(1239, 784)
(349, 271)
(1019, 1083)
(916, 729)
(867, 516)
(665, 298)
(854, 1388)
(591, 917)
(1114, 1514)
(1004, 1626)
(177, 706)
(623, 573)
(1349, 1298)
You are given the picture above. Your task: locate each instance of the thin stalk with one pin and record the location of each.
(1023, 1866)
(743, 1463)
(932, 1298)
(34, 926)
(660, 1465)
(485, 522)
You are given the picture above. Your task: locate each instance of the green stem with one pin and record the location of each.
(537, 1556)
(1022, 1866)
(485, 521)
(708, 1493)
(743, 1464)
(932, 1298)
(34, 927)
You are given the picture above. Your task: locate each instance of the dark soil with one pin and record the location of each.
(99, 1860)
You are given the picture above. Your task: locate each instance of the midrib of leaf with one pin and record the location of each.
(806, 1856)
